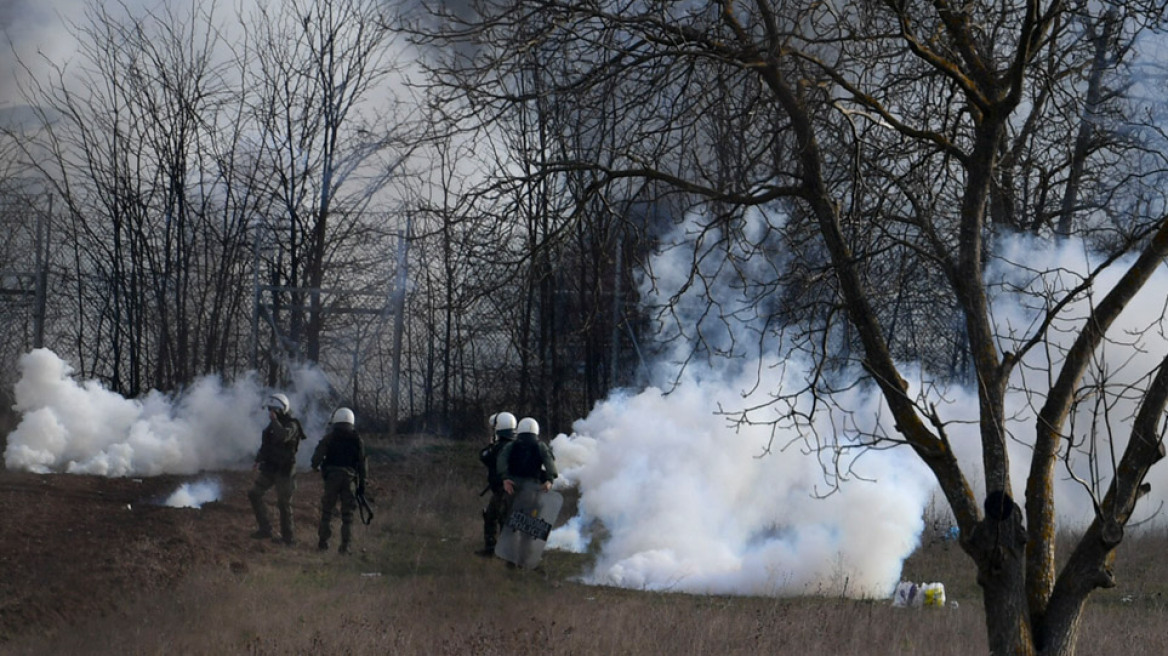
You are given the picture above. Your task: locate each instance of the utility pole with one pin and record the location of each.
(255, 299)
(42, 276)
(399, 309)
(614, 338)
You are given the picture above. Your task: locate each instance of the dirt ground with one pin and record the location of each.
(78, 550)
(76, 546)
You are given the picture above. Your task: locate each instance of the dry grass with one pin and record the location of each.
(416, 588)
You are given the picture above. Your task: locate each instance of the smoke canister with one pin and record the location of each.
(934, 595)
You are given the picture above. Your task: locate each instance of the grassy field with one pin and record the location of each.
(415, 587)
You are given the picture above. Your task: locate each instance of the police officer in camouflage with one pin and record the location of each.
(276, 463)
(340, 457)
(503, 432)
(526, 458)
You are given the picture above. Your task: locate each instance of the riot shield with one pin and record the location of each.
(525, 533)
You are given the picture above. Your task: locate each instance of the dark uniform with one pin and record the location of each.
(276, 461)
(526, 458)
(340, 457)
(495, 513)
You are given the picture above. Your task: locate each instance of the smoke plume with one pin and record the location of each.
(678, 497)
(195, 494)
(80, 427)
(691, 504)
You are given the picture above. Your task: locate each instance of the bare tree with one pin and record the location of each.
(543, 249)
(199, 165)
(25, 217)
(319, 66)
(900, 142)
(122, 140)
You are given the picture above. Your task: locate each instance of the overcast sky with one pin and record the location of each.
(42, 26)
(29, 27)
(33, 30)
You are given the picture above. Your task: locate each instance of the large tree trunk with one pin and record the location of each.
(998, 548)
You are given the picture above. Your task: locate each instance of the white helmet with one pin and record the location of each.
(528, 425)
(278, 402)
(343, 416)
(503, 421)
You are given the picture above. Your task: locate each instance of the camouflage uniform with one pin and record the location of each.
(276, 461)
(340, 456)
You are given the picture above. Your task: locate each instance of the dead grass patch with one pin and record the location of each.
(415, 587)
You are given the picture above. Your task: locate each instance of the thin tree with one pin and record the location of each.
(319, 64)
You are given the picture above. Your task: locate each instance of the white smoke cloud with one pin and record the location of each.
(195, 494)
(692, 505)
(1114, 383)
(1025, 271)
(686, 502)
(80, 427)
(687, 499)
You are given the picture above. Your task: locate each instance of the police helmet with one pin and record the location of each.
(528, 425)
(504, 421)
(343, 416)
(279, 403)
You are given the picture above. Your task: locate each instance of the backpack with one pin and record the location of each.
(525, 460)
(344, 449)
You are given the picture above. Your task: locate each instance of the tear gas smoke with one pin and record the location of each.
(687, 500)
(1024, 276)
(689, 504)
(83, 428)
(194, 495)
